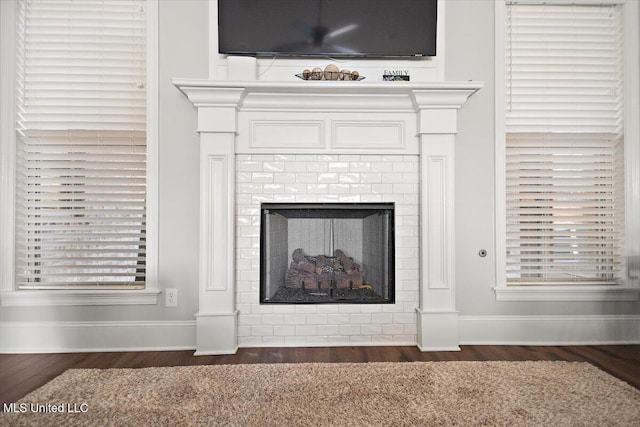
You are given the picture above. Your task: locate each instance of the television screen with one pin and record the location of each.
(333, 28)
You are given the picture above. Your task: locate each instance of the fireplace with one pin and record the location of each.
(348, 142)
(314, 253)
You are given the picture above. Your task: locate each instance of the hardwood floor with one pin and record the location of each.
(23, 373)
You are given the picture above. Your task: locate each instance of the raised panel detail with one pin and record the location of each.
(436, 182)
(280, 134)
(385, 135)
(217, 223)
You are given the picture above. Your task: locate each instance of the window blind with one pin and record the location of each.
(564, 144)
(81, 144)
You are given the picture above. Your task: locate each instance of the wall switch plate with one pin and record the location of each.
(171, 298)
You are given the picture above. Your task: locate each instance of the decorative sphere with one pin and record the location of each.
(331, 72)
(306, 74)
(316, 73)
(346, 74)
(355, 75)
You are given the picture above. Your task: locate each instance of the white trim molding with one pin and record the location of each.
(96, 336)
(36, 298)
(153, 152)
(7, 145)
(550, 330)
(566, 293)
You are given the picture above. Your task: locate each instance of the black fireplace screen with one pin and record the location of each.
(312, 253)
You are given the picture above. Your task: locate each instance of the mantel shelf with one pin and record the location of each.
(326, 95)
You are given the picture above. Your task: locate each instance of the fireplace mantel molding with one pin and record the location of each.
(322, 95)
(321, 118)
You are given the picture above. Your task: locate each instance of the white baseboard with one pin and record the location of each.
(549, 330)
(216, 333)
(69, 337)
(332, 344)
(438, 331)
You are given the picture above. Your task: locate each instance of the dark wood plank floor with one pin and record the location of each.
(23, 373)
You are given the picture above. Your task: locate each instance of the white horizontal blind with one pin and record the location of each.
(81, 125)
(564, 144)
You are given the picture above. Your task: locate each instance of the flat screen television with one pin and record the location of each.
(329, 28)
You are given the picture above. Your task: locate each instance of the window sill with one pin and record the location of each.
(25, 298)
(566, 293)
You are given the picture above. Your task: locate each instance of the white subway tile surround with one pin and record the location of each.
(330, 179)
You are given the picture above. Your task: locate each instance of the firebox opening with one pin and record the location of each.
(314, 253)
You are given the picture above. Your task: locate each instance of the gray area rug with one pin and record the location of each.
(335, 394)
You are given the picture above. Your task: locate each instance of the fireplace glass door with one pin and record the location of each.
(313, 253)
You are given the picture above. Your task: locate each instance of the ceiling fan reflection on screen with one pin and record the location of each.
(318, 38)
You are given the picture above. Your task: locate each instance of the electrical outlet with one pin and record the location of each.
(171, 298)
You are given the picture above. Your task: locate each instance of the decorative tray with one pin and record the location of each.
(322, 77)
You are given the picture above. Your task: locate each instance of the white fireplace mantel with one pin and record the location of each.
(326, 94)
(322, 117)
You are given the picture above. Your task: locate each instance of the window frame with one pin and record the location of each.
(10, 295)
(629, 289)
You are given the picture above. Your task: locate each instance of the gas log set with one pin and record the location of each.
(325, 279)
(324, 272)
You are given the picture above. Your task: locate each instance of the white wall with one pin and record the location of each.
(183, 53)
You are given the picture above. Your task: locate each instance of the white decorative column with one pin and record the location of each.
(216, 320)
(437, 125)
